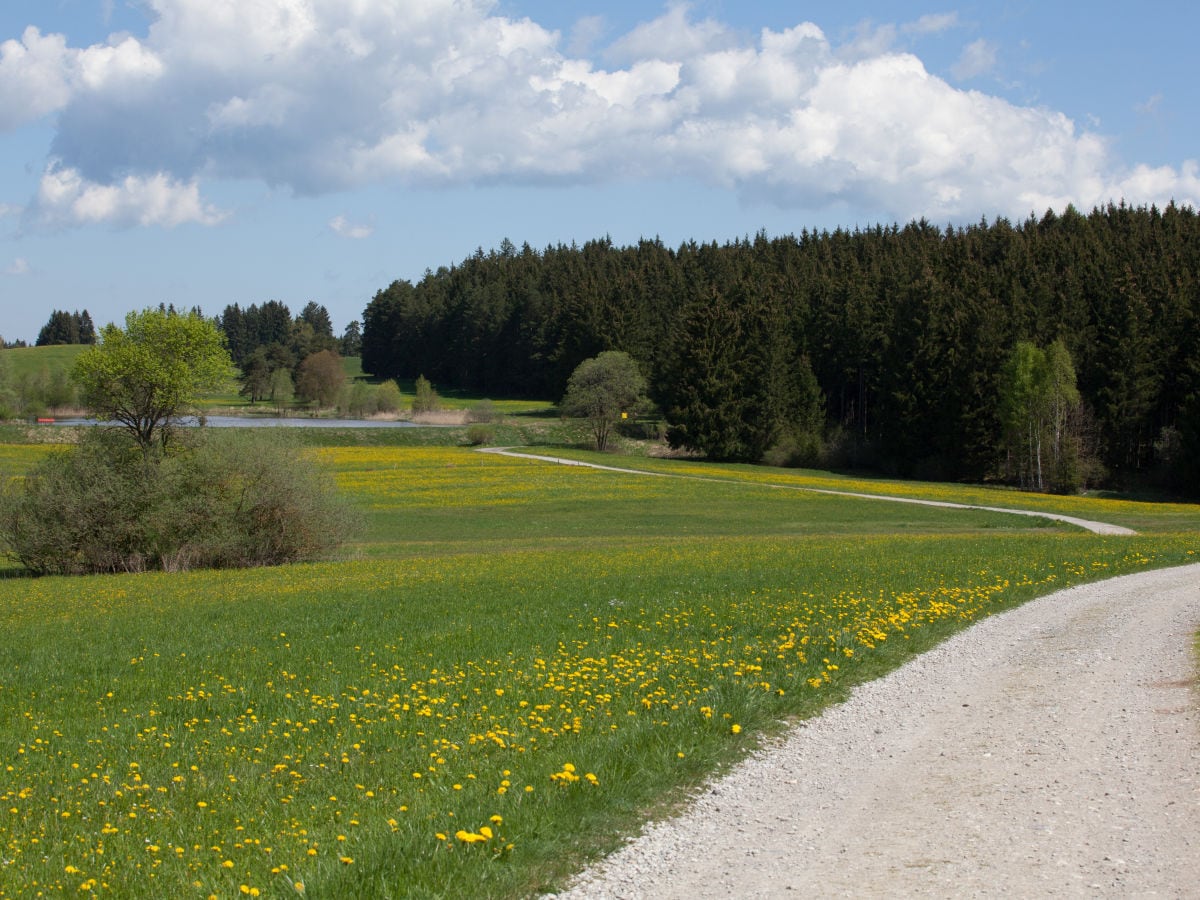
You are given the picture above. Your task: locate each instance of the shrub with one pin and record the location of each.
(478, 435)
(233, 498)
(484, 411)
(796, 449)
(388, 397)
(426, 399)
(359, 400)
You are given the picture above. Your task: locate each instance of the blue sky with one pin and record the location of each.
(207, 152)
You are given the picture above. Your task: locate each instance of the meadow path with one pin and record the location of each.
(1087, 524)
(1052, 750)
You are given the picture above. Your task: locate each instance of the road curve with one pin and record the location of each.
(1087, 524)
(1052, 750)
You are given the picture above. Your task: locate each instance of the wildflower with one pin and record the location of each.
(735, 728)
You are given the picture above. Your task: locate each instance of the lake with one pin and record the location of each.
(266, 422)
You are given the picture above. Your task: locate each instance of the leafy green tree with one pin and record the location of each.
(320, 378)
(604, 390)
(1023, 404)
(388, 397)
(358, 399)
(1038, 398)
(425, 398)
(148, 374)
(1062, 400)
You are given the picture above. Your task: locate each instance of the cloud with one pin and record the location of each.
(977, 58)
(343, 227)
(65, 198)
(18, 267)
(35, 77)
(934, 23)
(1152, 106)
(317, 96)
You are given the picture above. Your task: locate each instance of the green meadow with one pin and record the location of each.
(26, 361)
(512, 664)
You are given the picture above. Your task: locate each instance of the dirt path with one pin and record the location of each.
(1053, 750)
(1096, 527)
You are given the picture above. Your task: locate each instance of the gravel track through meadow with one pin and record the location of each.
(1049, 751)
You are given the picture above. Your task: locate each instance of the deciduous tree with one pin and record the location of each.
(603, 390)
(321, 378)
(149, 373)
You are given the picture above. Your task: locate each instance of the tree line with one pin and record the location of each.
(67, 328)
(281, 357)
(889, 347)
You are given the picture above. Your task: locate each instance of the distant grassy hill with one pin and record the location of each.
(22, 361)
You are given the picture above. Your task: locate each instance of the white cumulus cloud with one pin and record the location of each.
(35, 77)
(18, 267)
(318, 96)
(65, 197)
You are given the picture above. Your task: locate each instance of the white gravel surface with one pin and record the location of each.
(1053, 750)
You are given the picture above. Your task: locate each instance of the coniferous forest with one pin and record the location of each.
(907, 350)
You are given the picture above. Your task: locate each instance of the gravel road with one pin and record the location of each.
(1053, 750)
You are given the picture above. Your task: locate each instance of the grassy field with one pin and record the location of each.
(513, 661)
(25, 361)
(1138, 515)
